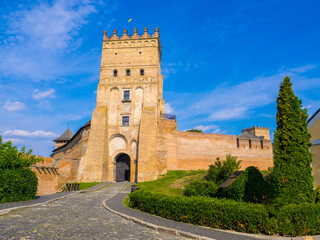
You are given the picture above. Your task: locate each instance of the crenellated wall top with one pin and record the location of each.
(135, 35)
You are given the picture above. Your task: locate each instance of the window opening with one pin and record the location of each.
(128, 72)
(141, 72)
(115, 73)
(126, 95)
(125, 120)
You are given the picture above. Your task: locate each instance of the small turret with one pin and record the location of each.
(105, 36)
(114, 36)
(258, 131)
(125, 34)
(63, 139)
(145, 34)
(135, 34)
(156, 33)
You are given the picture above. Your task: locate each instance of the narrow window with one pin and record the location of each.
(126, 95)
(261, 144)
(238, 144)
(125, 120)
(141, 72)
(128, 72)
(115, 73)
(249, 143)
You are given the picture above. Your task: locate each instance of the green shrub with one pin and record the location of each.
(200, 188)
(211, 212)
(220, 171)
(318, 194)
(194, 130)
(17, 185)
(303, 219)
(294, 220)
(250, 186)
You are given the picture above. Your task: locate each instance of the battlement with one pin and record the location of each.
(258, 131)
(135, 35)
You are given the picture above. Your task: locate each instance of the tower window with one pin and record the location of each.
(128, 72)
(238, 143)
(139, 52)
(115, 53)
(126, 95)
(249, 143)
(125, 120)
(261, 144)
(141, 72)
(115, 73)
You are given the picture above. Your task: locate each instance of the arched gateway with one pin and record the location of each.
(122, 167)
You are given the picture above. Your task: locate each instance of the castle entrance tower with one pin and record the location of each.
(124, 125)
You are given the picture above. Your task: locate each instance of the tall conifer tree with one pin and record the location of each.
(293, 180)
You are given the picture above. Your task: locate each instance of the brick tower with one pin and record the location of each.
(122, 142)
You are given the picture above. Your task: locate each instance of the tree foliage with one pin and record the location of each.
(292, 177)
(17, 181)
(194, 130)
(11, 158)
(220, 171)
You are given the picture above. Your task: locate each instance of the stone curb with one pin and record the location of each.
(160, 229)
(8, 210)
(178, 233)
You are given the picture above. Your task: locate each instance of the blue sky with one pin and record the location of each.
(222, 61)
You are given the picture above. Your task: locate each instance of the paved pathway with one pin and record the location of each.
(80, 216)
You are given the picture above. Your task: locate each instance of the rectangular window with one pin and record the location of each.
(261, 144)
(249, 143)
(238, 143)
(125, 120)
(126, 95)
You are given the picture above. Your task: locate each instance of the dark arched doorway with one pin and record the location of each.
(123, 167)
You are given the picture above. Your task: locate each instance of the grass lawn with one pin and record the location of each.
(85, 185)
(173, 182)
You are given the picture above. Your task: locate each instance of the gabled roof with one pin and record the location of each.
(66, 136)
(314, 118)
(249, 135)
(230, 179)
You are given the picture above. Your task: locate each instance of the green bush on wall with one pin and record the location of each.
(17, 185)
(294, 220)
(250, 186)
(200, 188)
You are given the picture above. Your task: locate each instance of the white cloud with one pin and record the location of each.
(13, 140)
(219, 131)
(205, 128)
(13, 106)
(168, 108)
(38, 37)
(25, 133)
(46, 94)
(225, 114)
(302, 69)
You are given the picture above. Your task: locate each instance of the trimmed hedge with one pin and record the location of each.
(250, 186)
(200, 188)
(294, 220)
(211, 212)
(17, 185)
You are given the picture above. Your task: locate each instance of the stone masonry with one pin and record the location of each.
(131, 138)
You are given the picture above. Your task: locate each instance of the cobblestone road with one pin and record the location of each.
(80, 216)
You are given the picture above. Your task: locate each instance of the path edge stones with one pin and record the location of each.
(178, 233)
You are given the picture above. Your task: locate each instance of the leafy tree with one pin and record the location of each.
(11, 158)
(220, 171)
(292, 177)
(17, 181)
(194, 130)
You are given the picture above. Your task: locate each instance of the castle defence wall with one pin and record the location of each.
(192, 151)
